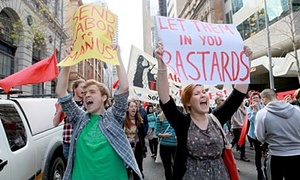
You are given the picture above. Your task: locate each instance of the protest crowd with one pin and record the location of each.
(108, 136)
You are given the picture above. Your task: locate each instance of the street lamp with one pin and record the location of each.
(269, 48)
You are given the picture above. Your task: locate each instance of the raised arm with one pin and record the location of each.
(121, 73)
(162, 75)
(63, 79)
(243, 88)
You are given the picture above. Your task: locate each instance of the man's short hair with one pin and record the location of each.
(268, 93)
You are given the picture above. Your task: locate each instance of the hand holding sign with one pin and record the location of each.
(159, 51)
(248, 53)
(117, 48)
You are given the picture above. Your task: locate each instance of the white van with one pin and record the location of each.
(30, 146)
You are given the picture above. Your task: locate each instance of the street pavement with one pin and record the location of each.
(154, 171)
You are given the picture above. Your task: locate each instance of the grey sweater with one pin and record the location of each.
(278, 124)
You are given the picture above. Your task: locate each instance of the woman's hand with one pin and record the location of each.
(159, 51)
(117, 48)
(248, 52)
(166, 135)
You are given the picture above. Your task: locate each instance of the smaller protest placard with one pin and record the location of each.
(142, 73)
(93, 32)
(151, 121)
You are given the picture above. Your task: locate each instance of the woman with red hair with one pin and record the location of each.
(199, 139)
(254, 107)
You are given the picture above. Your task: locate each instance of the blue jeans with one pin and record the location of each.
(66, 147)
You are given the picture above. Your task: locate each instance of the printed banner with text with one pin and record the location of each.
(93, 32)
(142, 73)
(204, 53)
(142, 70)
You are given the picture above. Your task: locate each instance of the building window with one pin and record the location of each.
(261, 21)
(5, 27)
(56, 8)
(236, 5)
(228, 17)
(7, 49)
(6, 64)
(37, 55)
(295, 5)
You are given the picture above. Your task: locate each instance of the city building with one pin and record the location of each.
(147, 23)
(174, 7)
(30, 30)
(284, 35)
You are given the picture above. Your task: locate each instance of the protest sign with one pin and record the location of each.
(142, 73)
(151, 121)
(142, 70)
(93, 32)
(214, 92)
(204, 53)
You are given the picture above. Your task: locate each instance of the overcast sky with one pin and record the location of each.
(129, 13)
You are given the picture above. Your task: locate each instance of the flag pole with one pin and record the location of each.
(269, 48)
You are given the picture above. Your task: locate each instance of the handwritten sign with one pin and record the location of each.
(93, 32)
(200, 52)
(142, 76)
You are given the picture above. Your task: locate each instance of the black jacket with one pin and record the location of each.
(181, 123)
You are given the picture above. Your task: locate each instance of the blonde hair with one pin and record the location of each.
(297, 94)
(162, 116)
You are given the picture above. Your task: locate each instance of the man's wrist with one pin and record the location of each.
(64, 99)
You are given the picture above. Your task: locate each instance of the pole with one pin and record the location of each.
(269, 48)
(297, 61)
(294, 38)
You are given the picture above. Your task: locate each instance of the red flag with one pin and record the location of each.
(42, 71)
(116, 84)
(244, 131)
(145, 105)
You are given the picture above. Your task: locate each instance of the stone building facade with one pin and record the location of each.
(30, 30)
